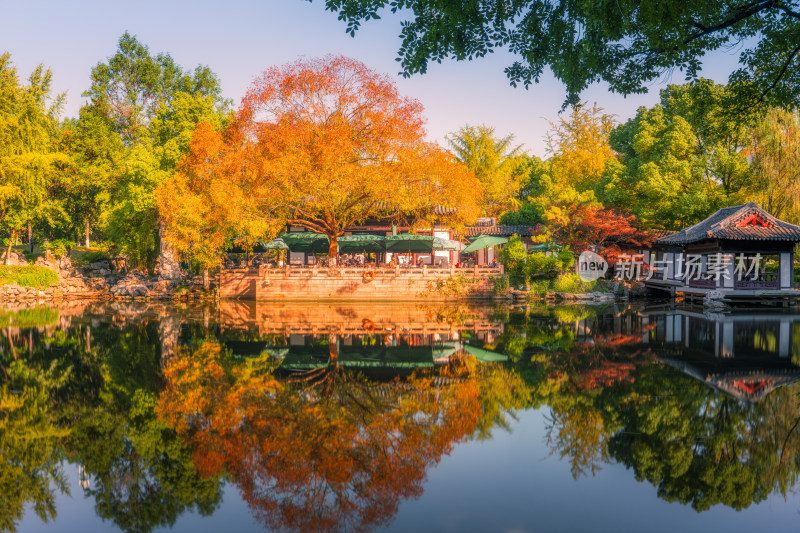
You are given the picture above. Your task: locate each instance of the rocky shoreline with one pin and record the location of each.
(100, 280)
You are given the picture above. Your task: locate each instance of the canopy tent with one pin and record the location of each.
(409, 243)
(484, 241)
(485, 356)
(274, 244)
(447, 245)
(363, 243)
(312, 243)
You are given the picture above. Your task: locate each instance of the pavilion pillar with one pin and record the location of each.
(730, 267)
(786, 270)
(784, 338)
(727, 339)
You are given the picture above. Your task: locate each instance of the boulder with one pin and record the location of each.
(15, 259)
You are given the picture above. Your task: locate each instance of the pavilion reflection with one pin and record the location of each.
(745, 356)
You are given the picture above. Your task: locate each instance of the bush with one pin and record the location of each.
(91, 257)
(28, 276)
(500, 284)
(566, 258)
(539, 265)
(59, 247)
(571, 283)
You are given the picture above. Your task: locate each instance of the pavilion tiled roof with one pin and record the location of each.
(498, 230)
(740, 222)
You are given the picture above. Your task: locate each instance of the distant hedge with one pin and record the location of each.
(28, 276)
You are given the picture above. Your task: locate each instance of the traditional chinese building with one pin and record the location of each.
(742, 252)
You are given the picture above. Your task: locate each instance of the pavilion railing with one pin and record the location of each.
(384, 271)
(766, 281)
(703, 283)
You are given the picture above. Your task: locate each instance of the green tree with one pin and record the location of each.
(28, 154)
(625, 43)
(97, 159)
(496, 162)
(151, 106)
(679, 160)
(774, 154)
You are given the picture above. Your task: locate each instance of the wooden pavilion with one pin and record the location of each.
(742, 253)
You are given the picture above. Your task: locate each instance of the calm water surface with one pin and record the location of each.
(271, 417)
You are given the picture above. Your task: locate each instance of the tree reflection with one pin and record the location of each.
(610, 400)
(89, 395)
(338, 455)
(29, 456)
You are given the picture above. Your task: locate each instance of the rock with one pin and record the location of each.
(713, 301)
(15, 259)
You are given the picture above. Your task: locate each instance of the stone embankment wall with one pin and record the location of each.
(101, 280)
(387, 283)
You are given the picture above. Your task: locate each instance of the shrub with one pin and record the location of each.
(91, 257)
(59, 247)
(500, 284)
(538, 265)
(28, 276)
(571, 283)
(566, 258)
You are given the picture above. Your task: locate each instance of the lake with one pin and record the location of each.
(339, 417)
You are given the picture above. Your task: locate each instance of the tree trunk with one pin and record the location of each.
(206, 280)
(333, 348)
(333, 250)
(30, 235)
(8, 250)
(86, 234)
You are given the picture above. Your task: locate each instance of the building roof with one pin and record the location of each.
(740, 222)
(498, 230)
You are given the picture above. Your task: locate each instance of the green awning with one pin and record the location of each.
(485, 356)
(484, 241)
(311, 243)
(363, 243)
(409, 243)
(305, 358)
(386, 356)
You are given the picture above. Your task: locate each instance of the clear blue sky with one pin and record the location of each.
(240, 38)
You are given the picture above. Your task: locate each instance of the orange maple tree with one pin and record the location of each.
(587, 225)
(333, 458)
(323, 144)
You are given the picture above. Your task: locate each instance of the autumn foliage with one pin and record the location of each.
(584, 225)
(334, 458)
(322, 144)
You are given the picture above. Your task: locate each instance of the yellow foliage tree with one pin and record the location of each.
(321, 144)
(579, 146)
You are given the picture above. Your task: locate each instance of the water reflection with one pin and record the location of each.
(327, 418)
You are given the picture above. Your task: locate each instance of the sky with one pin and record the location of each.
(239, 39)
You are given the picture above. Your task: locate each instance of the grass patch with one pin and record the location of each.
(28, 276)
(84, 258)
